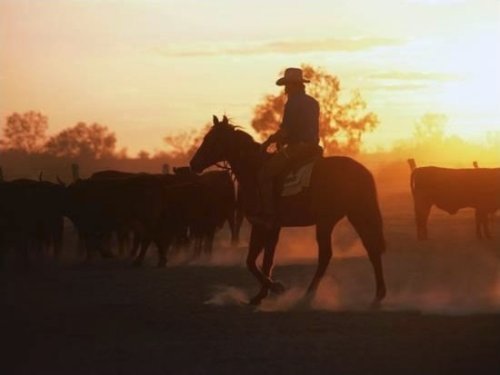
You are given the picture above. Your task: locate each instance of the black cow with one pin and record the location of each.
(220, 206)
(100, 207)
(453, 189)
(31, 217)
(216, 207)
(123, 232)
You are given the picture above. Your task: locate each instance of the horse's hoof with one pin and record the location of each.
(381, 292)
(255, 301)
(277, 288)
(377, 301)
(162, 263)
(137, 263)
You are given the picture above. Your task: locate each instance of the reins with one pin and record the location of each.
(227, 167)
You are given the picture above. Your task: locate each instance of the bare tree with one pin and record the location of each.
(183, 145)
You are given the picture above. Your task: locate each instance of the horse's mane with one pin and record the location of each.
(243, 137)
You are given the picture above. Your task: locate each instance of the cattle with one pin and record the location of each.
(219, 207)
(99, 207)
(185, 204)
(123, 232)
(31, 217)
(453, 189)
(156, 208)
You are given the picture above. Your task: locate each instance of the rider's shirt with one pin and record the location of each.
(301, 119)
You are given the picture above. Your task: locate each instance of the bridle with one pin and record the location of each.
(224, 165)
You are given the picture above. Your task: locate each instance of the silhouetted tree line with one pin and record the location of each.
(26, 149)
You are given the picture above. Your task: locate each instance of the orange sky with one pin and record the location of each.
(149, 67)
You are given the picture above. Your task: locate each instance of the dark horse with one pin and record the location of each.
(339, 187)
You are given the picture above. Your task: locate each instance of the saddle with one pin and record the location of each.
(297, 179)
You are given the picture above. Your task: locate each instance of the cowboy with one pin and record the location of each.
(297, 138)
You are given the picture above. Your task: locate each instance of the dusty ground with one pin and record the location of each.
(442, 314)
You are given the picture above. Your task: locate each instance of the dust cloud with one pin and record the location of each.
(452, 273)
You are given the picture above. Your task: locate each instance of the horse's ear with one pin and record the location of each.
(215, 120)
(225, 120)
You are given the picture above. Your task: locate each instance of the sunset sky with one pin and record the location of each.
(147, 68)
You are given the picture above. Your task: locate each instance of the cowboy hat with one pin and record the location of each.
(292, 75)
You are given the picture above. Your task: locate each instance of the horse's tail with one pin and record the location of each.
(366, 218)
(413, 168)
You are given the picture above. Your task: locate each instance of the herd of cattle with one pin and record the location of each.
(183, 209)
(164, 209)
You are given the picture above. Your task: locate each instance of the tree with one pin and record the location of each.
(25, 132)
(144, 155)
(341, 125)
(429, 129)
(183, 145)
(94, 141)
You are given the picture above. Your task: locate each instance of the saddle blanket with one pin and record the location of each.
(297, 180)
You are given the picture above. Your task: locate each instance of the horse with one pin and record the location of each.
(339, 187)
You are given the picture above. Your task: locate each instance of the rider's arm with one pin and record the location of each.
(277, 137)
(281, 135)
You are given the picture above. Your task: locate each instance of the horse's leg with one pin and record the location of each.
(486, 226)
(324, 229)
(422, 211)
(267, 266)
(145, 241)
(122, 237)
(372, 236)
(104, 244)
(482, 224)
(479, 223)
(238, 221)
(57, 236)
(163, 243)
(81, 246)
(89, 244)
(231, 221)
(136, 242)
(198, 234)
(258, 237)
(209, 240)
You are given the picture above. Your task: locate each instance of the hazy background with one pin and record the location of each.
(146, 68)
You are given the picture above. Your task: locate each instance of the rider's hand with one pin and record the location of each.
(264, 146)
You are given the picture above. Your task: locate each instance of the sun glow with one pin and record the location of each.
(147, 68)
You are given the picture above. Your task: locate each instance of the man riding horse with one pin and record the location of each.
(338, 187)
(297, 140)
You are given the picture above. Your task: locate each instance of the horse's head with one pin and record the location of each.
(216, 146)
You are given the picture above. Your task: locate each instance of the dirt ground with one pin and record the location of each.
(441, 315)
